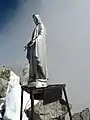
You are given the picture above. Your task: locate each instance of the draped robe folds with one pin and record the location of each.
(36, 53)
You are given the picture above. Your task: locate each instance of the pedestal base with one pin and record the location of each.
(48, 94)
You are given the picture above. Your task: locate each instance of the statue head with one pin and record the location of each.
(36, 19)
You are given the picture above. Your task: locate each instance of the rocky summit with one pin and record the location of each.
(83, 115)
(4, 78)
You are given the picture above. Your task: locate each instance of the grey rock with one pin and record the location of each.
(25, 75)
(4, 78)
(76, 116)
(52, 111)
(83, 115)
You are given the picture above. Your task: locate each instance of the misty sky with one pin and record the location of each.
(68, 41)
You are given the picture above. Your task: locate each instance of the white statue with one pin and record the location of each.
(36, 54)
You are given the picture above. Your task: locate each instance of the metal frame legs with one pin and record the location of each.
(21, 104)
(32, 104)
(67, 103)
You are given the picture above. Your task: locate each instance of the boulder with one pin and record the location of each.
(52, 111)
(4, 79)
(83, 115)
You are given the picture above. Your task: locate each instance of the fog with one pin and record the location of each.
(68, 51)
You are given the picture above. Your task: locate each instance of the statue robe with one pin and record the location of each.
(36, 52)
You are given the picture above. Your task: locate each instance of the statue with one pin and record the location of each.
(36, 54)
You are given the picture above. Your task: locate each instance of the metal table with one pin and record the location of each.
(48, 94)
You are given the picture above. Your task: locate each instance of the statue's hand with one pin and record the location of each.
(25, 47)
